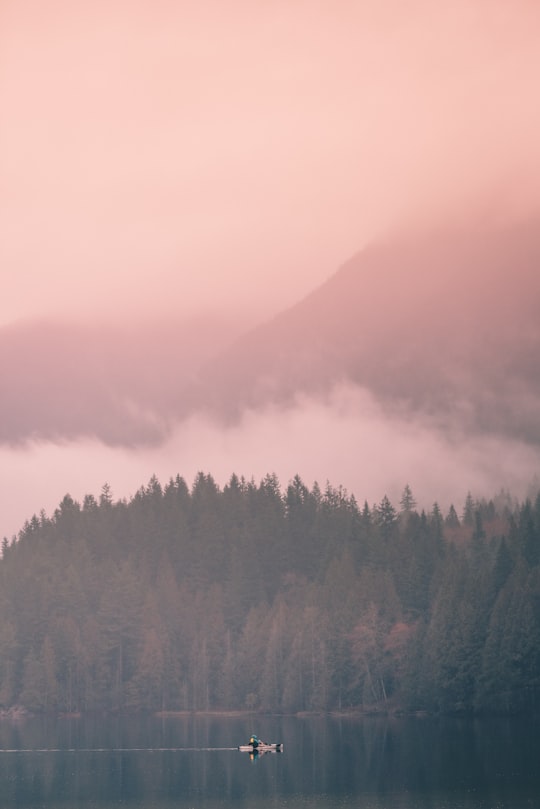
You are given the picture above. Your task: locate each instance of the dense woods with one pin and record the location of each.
(273, 599)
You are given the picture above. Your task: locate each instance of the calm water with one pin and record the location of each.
(189, 763)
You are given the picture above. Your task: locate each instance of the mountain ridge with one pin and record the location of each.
(436, 324)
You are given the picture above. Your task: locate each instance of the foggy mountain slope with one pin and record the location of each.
(119, 384)
(446, 326)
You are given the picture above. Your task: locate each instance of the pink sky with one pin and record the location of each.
(161, 159)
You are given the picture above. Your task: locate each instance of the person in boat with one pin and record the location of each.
(255, 741)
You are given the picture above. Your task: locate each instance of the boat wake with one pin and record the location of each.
(116, 749)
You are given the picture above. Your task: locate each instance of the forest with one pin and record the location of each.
(274, 599)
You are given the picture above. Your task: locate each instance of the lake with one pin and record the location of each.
(191, 763)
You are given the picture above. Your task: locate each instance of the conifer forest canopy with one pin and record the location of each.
(271, 599)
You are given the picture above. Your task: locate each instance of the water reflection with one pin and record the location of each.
(327, 763)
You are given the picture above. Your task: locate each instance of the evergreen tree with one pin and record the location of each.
(468, 510)
(8, 661)
(386, 517)
(529, 534)
(407, 502)
(202, 598)
(452, 519)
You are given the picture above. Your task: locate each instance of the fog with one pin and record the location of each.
(120, 384)
(415, 363)
(172, 174)
(175, 157)
(346, 441)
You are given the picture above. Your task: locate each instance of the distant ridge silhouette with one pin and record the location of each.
(444, 324)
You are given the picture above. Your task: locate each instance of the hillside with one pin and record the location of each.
(444, 325)
(251, 597)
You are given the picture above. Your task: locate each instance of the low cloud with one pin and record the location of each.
(236, 176)
(346, 440)
(349, 439)
(442, 330)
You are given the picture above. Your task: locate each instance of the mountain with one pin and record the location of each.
(445, 326)
(440, 326)
(119, 383)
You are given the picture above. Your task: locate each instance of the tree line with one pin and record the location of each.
(256, 597)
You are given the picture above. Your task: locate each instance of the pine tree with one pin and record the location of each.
(452, 519)
(468, 510)
(407, 502)
(386, 517)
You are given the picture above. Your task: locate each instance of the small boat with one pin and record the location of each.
(261, 748)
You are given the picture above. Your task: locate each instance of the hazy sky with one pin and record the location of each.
(160, 159)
